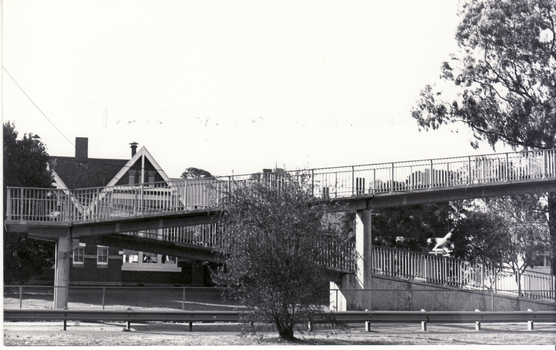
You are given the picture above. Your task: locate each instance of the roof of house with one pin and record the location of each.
(84, 172)
(93, 172)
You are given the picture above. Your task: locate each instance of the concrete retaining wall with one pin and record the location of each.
(393, 294)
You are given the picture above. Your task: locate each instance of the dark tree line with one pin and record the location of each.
(26, 165)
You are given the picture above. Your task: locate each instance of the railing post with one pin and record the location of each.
(393, 174)
(8, 203)
(103, 296)
(432, 175)
(21, 297)
(21, 204)
(544, 168)
(411, 179)
(374, 180)
(352, 180)
(507, 167)
(426, 269)
(312, 182)
(469, 171)
(183, 299)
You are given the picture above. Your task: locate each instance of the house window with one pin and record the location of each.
(152, 174)
(542, 259)
(145, 261)
(102, 255)
(131, 256)
(79, 256)
(167, 259)
(149, 258)
(132, 174)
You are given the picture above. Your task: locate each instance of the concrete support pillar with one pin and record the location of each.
(62, 270)
(197, 273)
(354, 292)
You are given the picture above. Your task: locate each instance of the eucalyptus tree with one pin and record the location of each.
(502, 82)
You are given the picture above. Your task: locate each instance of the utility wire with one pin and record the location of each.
(34, 104)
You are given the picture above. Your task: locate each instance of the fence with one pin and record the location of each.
(201, 298)
(461, 274)
(118, 298)
(92, 204)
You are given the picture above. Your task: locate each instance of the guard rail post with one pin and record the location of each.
(367, 324)
(530, 324)
(65, 320)
(128, 327)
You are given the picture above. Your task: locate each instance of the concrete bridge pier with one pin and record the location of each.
(352, 292)
(63, 253)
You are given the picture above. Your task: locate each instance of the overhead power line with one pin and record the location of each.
(37, 107)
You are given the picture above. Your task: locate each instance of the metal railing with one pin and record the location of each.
(205, 235)
(104, 203)
(336, 255)
(458, 273)
(366, 317)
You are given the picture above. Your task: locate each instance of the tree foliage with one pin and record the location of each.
(195, 173)
(276, 247)
(504, 231)
(409, 227)
(26, 165)
(502, 82)
(25, 160)
(504, 77)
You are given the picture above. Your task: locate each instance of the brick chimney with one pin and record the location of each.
(81, 148)
(133, 146)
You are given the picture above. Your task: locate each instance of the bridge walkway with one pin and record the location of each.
(345, 188)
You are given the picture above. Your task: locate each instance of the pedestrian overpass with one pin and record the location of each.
(65, 215)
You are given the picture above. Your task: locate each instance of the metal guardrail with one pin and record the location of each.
(423, 317)
(129, 201)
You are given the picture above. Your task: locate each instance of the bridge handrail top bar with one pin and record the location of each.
(237, 176)
(428, 159)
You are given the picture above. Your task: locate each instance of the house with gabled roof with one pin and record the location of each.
(96, 263)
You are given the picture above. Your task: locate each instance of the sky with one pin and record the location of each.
(231, 86)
